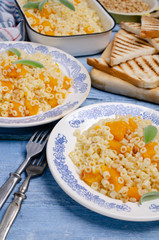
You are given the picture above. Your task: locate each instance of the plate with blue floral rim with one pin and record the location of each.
(71, 67)
(62, 141)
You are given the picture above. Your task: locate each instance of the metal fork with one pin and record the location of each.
(36, 168)
(35, 145)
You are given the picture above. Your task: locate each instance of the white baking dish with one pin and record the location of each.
(77, 45)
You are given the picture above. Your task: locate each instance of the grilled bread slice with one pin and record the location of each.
(142, 72)
(109, 83)
(127, 46)
(131, 27)
(135, 28)
(155, 14)
(149, 27)
(154, 42)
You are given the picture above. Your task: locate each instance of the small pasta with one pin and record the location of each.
(27, 90)
(55, 19)
(115, 165)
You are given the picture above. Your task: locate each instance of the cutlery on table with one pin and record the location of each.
(34, 169)
(35, 145)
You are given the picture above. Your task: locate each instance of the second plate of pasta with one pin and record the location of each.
(99, 156)
(39, 84)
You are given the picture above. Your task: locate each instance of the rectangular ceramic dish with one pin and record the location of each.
(77, 45)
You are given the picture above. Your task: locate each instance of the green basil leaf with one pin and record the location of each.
(29, 62)
(150, 133)
(41, 5)
(33, 5)
(68, 4)
(149, 196)
(15, 51)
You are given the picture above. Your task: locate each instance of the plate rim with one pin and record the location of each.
(51, 119)
(75, 196)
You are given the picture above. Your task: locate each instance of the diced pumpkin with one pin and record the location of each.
(118, 129)
(132, 125)
(52, 102)
(23, 70)
(134, 193)
(36, 19)
(16, 106)
(46, 24)
(33, 110)
(52, 82)
(3, 63)
(77, 1)
(13, 73)
(115, 145)
(50, 33)
(97, 127)
(114, 176)
(150, 151)
(90, 177)
(7, 84)
(66, 82)
(6, 67)
(45, 13)
(88, 30)
(41, 76)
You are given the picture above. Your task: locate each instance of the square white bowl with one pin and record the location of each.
(77, 45)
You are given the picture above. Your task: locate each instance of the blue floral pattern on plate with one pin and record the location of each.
(154, 208)
(72, 67)
(109, 110)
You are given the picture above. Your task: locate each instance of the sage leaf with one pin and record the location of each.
(150, 133)
(15, 51)
(41, 5)
(29, 62)
(33, 5)
(68, 4)
(149, 196)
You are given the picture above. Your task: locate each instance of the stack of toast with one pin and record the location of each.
(130, 64)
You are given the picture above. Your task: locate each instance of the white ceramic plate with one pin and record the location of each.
(71, 67)
(62, 142)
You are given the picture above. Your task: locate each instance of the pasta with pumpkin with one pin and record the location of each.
(26, 90)
(113, 158)
(55, 19)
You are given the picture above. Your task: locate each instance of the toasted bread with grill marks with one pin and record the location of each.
(142, 72)
(127, 46)
(132, 27)
(109, 83)
(154, 42)
(135, 28)
(149, 27)
(155, 14)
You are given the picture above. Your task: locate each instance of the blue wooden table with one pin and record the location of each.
(48, 213)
